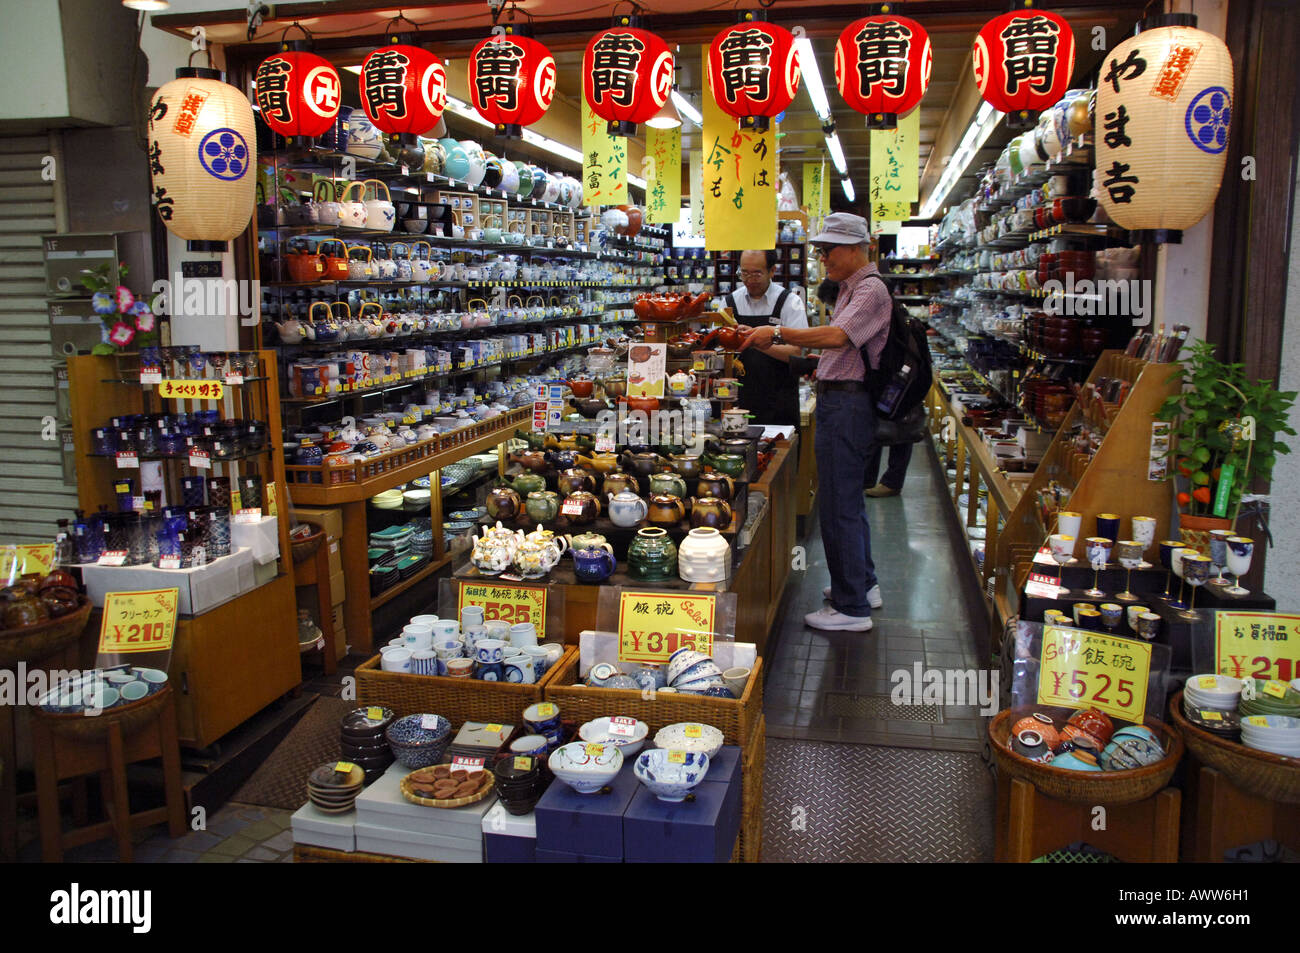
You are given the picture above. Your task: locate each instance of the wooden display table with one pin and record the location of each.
(1223, 816)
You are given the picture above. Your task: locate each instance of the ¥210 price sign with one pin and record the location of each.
(513, 604)
(654, 625)
(139, 621)
(1264, 645)
(1081, 669)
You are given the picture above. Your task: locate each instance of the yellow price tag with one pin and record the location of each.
(594, 750)
(1211, 715)
(1207, 681)
(375, 713)
(545, 710)
(513, 604)
(26, 558)
(344, 767)
(494, 728)
(694, 731)
(1081, 669)
(1259, 721)
(654, 625)
(677, 757)
(1274, 688)
(1264, 645)
(192, 390)
(138, 621)
(523, 763)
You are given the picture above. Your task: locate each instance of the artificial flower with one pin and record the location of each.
(103, 303)
(122, 334)
(144, 318)
(124, 298)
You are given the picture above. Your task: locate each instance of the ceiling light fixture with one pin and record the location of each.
(848, 190)
(837, 153)
(684, 108)
(981, 127)
(666, 117)
(149, 6)
(812, 79)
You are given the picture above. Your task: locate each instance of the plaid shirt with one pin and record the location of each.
(862, 311)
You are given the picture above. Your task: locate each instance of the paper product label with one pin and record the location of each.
(677, 757)
(472, 765)
(654, 625)
(127, 460)
(138, 621)
(594, 750)
(113, 557)
(200, 459)
(623, 727)
(1262, 645)
(1081, 669)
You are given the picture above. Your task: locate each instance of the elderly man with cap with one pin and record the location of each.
(846, 419)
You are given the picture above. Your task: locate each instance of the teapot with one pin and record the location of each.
(687, 464)
(626, 508)
(422, 268)
(503, 503)
(575, 479)
(668, 483)
(384, 264)
(290, 331)
(594, 565)
(325, 330)
(641, 464)
(712, 484)
(361, 269)
(666, 510)
(542, 505)
(526, 483)
(374, 325)
(581, 507)
(493, 553)
(680, 384)
(534, 460)
(586, 541)
(380, 213)
(538, 553)
(710, 511)
(600, 462)
(403, 263)
(616, 481)
(353, 210)
(329, 212)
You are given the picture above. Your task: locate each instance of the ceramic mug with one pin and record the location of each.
(520, 669)
(396, 660)
(523, 635)
(445, 629)
(497, 629)
(424, 662)
(541, 657)
(489, 651)
(460, 667)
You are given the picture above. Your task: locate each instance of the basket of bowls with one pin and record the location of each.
(1247, 764)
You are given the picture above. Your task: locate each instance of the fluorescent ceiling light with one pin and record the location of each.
(551, 146)
(636, 180)
(685, 108)
(353, 69)
(147, 5)
(848, 190)
(981, 127)
(837, 153)
(467, 111)
(812, 79)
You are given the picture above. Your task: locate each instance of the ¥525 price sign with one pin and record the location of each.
(1081, 669)
(1263, 645)
(138, 621)
(513, 604)
(654, 625)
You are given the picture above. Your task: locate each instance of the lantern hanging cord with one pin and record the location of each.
(204, 50)
(137, 91)
(295, 23)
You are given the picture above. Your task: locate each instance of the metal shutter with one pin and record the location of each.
(33, 494)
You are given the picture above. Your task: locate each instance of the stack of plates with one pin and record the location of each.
(1266, 704)
(332, 791)
(422, 543)
(478, 740)
(362, 741)
(388, 500)
(394, 537)
(1215, 692)
(1276, 733)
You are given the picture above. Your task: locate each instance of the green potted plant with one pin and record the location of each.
(1225, 430)
(127, 319)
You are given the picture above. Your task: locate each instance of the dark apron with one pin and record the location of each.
(769, 391)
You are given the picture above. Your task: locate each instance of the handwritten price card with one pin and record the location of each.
(20, 560)
(1081, 669)
(1257, 645)
(138, 621)
(513, 604)
(192, 390)
(654, 625)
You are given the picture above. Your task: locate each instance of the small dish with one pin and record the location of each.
(690, 736)
(604, 731)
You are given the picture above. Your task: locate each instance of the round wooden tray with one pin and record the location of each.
(1273, 777)
(485, 788)
(131, 717)
(1088, 787)
(33, 643)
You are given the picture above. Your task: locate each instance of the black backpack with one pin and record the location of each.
(905, 347)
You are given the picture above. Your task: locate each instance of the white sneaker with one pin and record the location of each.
(832, 620)
(873, 596)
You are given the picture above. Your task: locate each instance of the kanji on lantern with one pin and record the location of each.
(298, 93)
(754, 71)
(882, 67)
(511, 81)
(403, 89)
(1023, 62)
(627, 76)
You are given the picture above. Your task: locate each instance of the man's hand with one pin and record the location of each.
(760, 337)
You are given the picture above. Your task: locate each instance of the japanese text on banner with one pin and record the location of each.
(654, 625)
(894, 158)
(513, 604)
(816, 197)
(1082, 669)
(191, 390)
(604, 162)
(1257, 645)
(663, 159)
(697, 192)
(138, 621)
(739, 181)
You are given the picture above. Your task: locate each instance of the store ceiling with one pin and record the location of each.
(451, 28)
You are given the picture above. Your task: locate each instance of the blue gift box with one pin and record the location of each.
(504, 849)
(585, 824)
(724, 767)
(565, 857)
(701, 831)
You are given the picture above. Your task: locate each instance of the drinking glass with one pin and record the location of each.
(1062, 546)
(1069, 523)
(1219, 554)
(1129, 553)
(1099, 548)
(1176, 559)
(1111, 616)
(1148, 625)
(1167, 547)
(1108, 526)
(1240, 549)
(1144, 531)
(1196, 572)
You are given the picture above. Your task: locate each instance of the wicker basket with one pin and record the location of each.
(132, 717)
(1273, 777)
(486, 784)
(457, 699)
(34, 643)
(1088, 787)
(737, 719)
(750, 842)
(305, 548)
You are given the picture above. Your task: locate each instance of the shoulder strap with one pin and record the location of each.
(781, 299)
(881, 279)
(730, 299)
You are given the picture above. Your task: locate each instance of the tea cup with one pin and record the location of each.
(523, 634)
(489, 651)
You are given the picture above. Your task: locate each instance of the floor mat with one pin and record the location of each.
(845, 803)
(281, 781)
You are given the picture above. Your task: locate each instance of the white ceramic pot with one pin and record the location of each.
(352, 206)
(477, 161)
(380, 213)
(704, 556)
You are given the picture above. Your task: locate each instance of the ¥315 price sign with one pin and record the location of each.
(1261, 645)
(513, 604)
(138, 621)
(654, 625)
(1081, 669)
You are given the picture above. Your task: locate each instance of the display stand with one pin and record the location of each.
(1223, 816)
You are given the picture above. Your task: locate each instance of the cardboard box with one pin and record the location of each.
(508, 839)
(338, 588)
(700, 831)
(261, 538)
(585, 824)
(200, 589)
(382, 805)
(330, 517)
(335, 831)
(401, 842)
(336, 561)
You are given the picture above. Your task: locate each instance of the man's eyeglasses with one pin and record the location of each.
(752, 274)
(824, 251)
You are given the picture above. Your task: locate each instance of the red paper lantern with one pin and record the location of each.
(882, 67)
(298, 93)
(403, 89)
(1023, 62)
(754, 71)
(627, 76)
(511, 82)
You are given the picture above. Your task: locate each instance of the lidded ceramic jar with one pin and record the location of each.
(705, 556)
(593, 565)
(652, 555)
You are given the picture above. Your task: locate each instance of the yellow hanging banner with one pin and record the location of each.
(895, 156)
(604, 162)
(697, 192)
(739, 181)
(21, 560)
(816, 197)
(663, 175)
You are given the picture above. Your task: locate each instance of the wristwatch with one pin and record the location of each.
(776, 336)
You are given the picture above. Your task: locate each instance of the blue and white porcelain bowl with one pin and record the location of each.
(701, 684)
(671, 775)
(415, 746)
(598, 731)
(706, 668)
(681, 660)
(540, 723)
(584, 769)
(690, 736)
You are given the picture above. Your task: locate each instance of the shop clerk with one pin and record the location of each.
(771, 387)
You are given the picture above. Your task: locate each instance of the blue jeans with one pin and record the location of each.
(900, 455)
(846, 426)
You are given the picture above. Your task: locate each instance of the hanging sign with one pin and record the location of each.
(513, 604)
(816, 197)
(739, 184)
(22, 560)
(697, 192)
(893, 185)
(654, 625)
(1257, 645)
(191, 390)
(138, 621)
(604, 162)
(1082, 669)
(646, 369)
(663, 191)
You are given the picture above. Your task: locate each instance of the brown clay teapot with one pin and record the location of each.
(710, 511)
(534, 460)
(666, 510)
(504, 503)
(712, 483)
(616, 481)
(580, 507)
(574, 479)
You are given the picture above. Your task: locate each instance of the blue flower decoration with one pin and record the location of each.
(103, 302)
(224, 154)
(1208, 118)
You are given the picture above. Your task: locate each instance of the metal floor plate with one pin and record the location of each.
(877, 708)
(837, 803)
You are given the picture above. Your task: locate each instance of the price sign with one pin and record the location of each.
(169, 562)
(192, 390)
(127, 460)
(138, 621)
(1042, 586)
(112, 557)
(593, 750)
(1263, 645)
(513, 604)
(605, 444)
(493, 729)
(151, 374)
(429, 722)
(1081, 669)
(677, 757)
(344, 767)
(1275, 688)
(233, 379)
(694, 731)
(622, 726)
(19, 560)
(200, 459)
(546, 710)
(654, 625)
(1211, 715)
(248, 515)
(472, 765)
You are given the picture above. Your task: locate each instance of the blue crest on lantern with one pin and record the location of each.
(224, 154)
(1208, 118)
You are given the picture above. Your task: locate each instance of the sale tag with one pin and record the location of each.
(1042, 586)
(1207, 681)
(654, 625)
(523, 763)
(138, 621)
(571, 507)
(546, 710)
(1259, 721)
(137, 504)
(25, 559)
(1211, 715)
(233, 379)
(1275, 688)
(200, 459)
(191, 390)
(150, 374)
(1081, 669)
(677, 757)
(252, 515)
(605, 444)
(623, 727)
(513, 604)
(127, 460)
(169, 562)
(594, 750)
(344, 767)
(374, 713)
(113, 557)
(472, 765)
(1263, 645)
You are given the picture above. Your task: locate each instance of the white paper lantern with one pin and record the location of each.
(1164, 107)
(202, 156)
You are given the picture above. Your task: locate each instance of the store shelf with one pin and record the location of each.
(388, 595)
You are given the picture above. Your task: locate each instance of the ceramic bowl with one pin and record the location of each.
(539, 723)
(699, 685)
(584, 771)
(416, 746)
(598, 731)
(706, 668)
(667, 779)
(681, 660)
(683, 736)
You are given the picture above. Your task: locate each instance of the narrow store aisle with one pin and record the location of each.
(829, 694)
